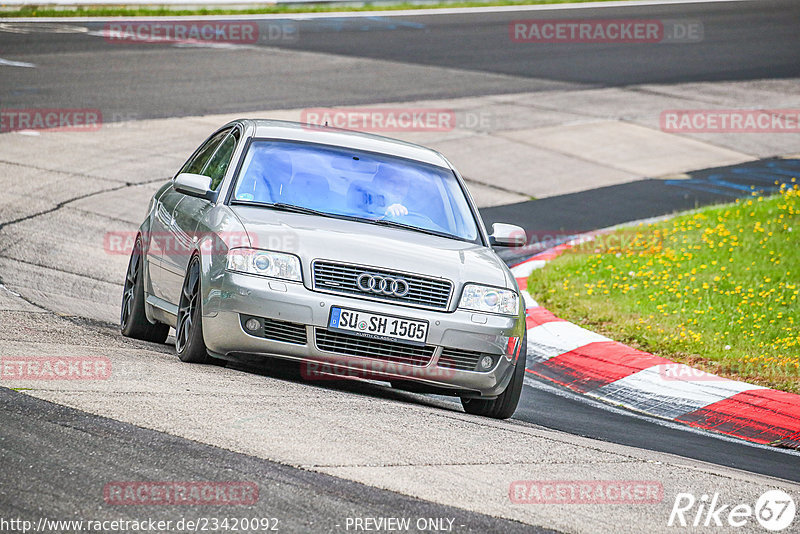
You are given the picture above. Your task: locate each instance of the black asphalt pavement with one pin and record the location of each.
(568, 412)
(68, 456)
(551, 220)
(56, 462)
(418, 57)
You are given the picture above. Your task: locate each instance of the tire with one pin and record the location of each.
(189, 342)
(133, 321)
(505, 404)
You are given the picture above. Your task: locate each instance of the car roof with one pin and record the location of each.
(313, 133)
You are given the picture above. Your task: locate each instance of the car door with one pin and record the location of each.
(164, 246)
(188, 217)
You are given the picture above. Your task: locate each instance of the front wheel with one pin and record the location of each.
(189, 341)
(505, 404)
(133, 321)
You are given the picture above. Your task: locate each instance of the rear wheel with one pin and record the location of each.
(189, 328)
(133, 321)
(505, 404)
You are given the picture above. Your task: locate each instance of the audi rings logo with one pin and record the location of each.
(383, 285)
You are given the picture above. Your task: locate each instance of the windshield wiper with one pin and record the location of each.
(395, 224)
(282, 206)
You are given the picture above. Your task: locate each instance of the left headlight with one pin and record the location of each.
(489, 299)
(265, 263)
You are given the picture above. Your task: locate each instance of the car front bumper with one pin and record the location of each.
(291, 309)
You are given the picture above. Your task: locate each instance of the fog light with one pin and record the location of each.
(486, 363)
(252, 325)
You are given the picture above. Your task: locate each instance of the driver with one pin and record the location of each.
(393, 185)
(267, 173)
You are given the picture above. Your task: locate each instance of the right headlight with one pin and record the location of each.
(489, 299)
(265, 263)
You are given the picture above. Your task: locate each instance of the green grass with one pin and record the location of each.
(716, 289)
(102, 11)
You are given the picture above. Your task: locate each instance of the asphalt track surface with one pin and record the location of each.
(462, 55)
(432, 56)
(556, 218)
(43, 446)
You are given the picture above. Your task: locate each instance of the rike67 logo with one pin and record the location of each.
(774, 510)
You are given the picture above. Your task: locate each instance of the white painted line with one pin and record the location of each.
(357, 14)
(552, 339)
(4, 288)
(659, 390)
(11, 63)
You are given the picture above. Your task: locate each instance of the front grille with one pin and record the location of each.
(463, 360)
(277, 330)
(342, 278)
(391, 351)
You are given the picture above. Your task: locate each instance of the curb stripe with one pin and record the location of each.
(555, 338)
(652, 390)
(522, 271)
(537, 315)
(762, 416)
(595, 365)
(552, 253)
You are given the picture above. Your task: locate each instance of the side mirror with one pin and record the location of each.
(507, 235)
(194, 185)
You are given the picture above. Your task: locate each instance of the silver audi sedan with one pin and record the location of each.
(353, 255)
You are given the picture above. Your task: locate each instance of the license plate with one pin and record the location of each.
(378, 326)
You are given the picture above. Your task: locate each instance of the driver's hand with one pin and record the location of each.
(396, 210)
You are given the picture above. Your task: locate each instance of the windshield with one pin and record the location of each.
(350, 183)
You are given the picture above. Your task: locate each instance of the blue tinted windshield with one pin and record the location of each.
(351, 183)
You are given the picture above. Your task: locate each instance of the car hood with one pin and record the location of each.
(311, 237)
